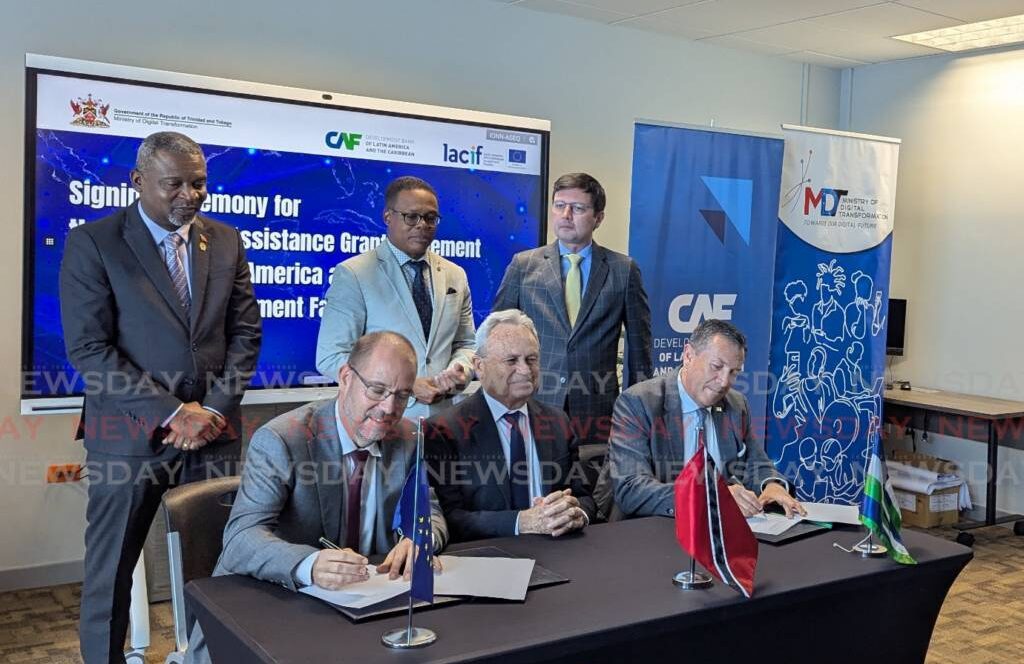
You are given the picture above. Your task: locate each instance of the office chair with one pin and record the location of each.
(196, 515)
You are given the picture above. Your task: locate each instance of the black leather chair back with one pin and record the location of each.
(198, 512)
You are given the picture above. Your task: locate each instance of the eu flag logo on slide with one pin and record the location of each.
(516, 156)
(412, 520)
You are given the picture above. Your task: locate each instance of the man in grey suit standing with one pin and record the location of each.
(330, 469)
(580, 294)
(657, 425)
(160, 319)
(403, 286)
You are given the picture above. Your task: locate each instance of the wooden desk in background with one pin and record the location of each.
(962, 416)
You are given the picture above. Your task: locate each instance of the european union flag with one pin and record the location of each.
(516, 156)
(412, 520)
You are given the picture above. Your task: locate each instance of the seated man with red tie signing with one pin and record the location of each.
(330, 470)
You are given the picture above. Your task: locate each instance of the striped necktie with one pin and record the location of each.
(176, 269)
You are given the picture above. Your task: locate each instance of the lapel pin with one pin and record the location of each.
(202, 242)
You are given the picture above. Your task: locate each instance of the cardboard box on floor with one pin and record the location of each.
(921, 510)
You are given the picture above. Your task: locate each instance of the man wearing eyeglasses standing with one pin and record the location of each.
(579, 295)
(403, 286)
(330, 474)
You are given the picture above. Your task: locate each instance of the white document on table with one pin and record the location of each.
(502, 578)
(827, 513)
(768, 523)
(360, 595)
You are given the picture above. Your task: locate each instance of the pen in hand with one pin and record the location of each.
(328, 544)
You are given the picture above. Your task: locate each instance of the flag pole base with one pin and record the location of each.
(692, 580)
(869, 550)
(404, 638)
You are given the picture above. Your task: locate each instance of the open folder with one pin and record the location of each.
(383, 597)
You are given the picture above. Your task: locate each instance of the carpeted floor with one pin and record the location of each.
(982, 621)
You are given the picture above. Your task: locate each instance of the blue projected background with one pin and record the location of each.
(502, 210)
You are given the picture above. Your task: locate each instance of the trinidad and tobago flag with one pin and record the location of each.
(710, 526)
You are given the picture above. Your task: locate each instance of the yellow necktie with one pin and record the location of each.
(573, 287)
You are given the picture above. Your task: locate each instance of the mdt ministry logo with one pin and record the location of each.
(470, 156)
(735, 198)
(339, 139)
(826, 199)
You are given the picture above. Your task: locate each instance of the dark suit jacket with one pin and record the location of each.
(645, 453)
(470, 472)
(578, 363)
(126, 331)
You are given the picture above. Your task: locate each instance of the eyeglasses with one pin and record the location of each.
(412, 219)
(377, 392)
(577, 208)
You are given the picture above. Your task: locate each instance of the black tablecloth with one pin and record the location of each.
(811, 603)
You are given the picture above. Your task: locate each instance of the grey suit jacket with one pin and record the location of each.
(293, 492)
(578, 363)
(125, 327)
(369, 293)
(646, 447)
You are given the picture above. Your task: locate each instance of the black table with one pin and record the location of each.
(811, 603)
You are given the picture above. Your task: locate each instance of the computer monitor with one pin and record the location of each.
(896, 327)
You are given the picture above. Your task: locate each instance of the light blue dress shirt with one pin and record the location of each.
(409, 271)
(690, 409)
(303, 574)
(585, 263)
(160, 234)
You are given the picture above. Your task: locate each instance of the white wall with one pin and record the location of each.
(959, 229)
(591, 80)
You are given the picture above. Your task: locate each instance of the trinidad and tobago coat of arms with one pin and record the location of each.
(90, 112)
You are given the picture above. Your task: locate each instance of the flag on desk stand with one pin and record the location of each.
(710, 526)
(879, 511)
(412, 520)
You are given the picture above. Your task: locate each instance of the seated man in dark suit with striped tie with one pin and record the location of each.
(503, 463)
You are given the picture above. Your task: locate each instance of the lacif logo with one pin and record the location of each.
(469, 156)
(827, 199)
(337, 139)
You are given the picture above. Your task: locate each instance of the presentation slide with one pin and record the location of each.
(303, 183)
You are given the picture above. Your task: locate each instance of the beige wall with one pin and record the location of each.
(590, 80)
(959, 230)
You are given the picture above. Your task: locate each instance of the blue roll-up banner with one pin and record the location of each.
(831, 296)
(703, 221)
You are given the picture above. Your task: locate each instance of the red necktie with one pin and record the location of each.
(353, 522)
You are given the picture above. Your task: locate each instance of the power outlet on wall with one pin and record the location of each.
(63, 472)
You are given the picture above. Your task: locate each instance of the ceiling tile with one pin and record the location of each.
(733, 41)
(722, 17)
(656, 24)
(823, 59)
(969, 10)
(573, 9)
(807, 36)
(635, 7)
(884, 20)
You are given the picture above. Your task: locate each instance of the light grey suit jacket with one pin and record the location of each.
(293, 492)
(646, 448)
(579, 362)
(369, 293)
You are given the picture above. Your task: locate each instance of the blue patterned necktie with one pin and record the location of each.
(177, 271)
(420, 295)
(517, 470)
